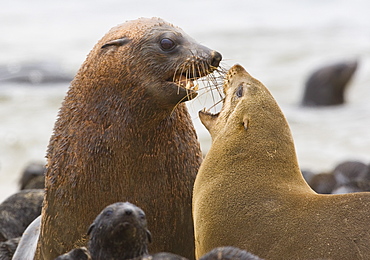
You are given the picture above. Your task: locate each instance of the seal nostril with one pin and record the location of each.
(128, 212)
(216, 58)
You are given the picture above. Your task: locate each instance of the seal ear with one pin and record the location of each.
(118, 42)
(92, 226)
(149, 236)
(245, 123)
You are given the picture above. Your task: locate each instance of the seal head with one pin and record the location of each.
(119, 232)
(166, 55)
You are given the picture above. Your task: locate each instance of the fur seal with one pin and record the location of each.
(326, 86)
(119, 232)
(250, 183)
(123, 133)
(18, 211)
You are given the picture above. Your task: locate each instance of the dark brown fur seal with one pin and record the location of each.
(123, 135)
(326, 86)
(229, 253)
(18, 211)
(250, 183)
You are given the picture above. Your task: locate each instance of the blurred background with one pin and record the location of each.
(278, 42)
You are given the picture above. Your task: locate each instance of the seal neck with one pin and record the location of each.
(251, 157)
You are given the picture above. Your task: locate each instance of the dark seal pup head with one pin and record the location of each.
(326, 86)
(122, 131)
(250, 183)
(119, 232)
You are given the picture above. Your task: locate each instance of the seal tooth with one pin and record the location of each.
(188, 85)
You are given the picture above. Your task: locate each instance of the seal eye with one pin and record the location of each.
(108, 213)
(239, 91)
(142, 215)
(167, 44)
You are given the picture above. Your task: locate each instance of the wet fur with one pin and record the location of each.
(119, 138)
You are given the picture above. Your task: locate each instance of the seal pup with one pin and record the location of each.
(327, 85)
(124, 134)
(250, 183)
(119, 232)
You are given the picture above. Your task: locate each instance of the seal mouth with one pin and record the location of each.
(184, 81)
(207, 113)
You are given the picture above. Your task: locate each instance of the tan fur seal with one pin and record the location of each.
(250, 193)
(123, 134)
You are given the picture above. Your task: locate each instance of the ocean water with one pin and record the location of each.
(278, 42)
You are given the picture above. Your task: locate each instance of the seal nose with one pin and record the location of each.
(216, 58)
(128, 212)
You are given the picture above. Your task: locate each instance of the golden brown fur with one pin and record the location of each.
(249, 191)
(122, 135)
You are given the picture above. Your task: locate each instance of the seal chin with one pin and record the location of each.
(208, 119)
